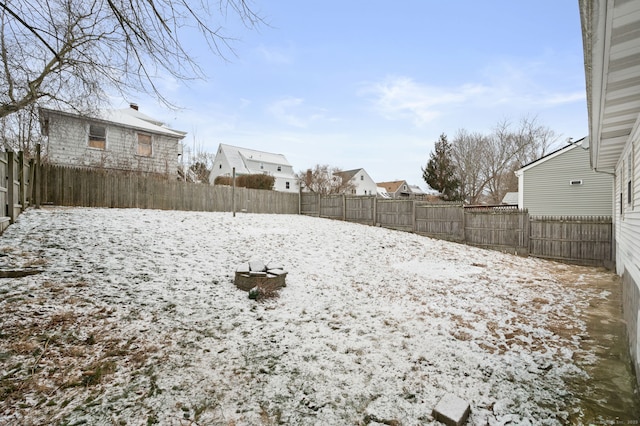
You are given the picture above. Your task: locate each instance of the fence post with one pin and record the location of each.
(375, 211)
(413, 216)
(37, 176)
(464, 224)
(344, 207)
(233, 191)
(11, 193)
(22, 196)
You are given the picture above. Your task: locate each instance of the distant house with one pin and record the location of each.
(249, 162)
(124, 139)
(611, 43)
(563, 184)
(396, 189)
(362, 182)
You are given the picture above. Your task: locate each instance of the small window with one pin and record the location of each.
(144, 145)
(97, 137)
(261, 166)
(286, 185)
(279, 168)
(361, 177)
(220, 166)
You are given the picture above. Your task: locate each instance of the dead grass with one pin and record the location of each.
(50, 360)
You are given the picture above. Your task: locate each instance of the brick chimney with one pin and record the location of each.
(133, 106)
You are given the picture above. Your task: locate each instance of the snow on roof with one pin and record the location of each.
(392, 186)
(382, 192)
(510, 198)
(125, 117)
(237, 155)
(130, 117)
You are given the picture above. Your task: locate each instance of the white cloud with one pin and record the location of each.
(274, 55)
(293, 112)
(403, 98)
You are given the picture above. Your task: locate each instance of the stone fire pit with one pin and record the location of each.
(255, 273)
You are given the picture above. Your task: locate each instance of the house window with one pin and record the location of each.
(261, 166)
(279, 168)
(220, 166)
(97, 137)
(144, 145)
(286, 185)
(361, 177)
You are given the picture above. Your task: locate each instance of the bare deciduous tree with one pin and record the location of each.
(325, 180)
(71, 52)
(21, 131)
(469, 153)
(486, 164)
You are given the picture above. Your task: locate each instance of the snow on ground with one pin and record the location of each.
(135, 320)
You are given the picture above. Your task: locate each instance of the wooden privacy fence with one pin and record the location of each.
(582, 240)
(67, 186)
(587, 239)
(15, 188)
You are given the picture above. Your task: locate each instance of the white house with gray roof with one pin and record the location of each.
(249, 161)
(123, 139)
(362, 182)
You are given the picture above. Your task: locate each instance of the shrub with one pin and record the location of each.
(256, 181)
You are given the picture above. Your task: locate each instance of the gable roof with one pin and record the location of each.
(125, 117)
(348, 174)
(392, 186)
(510, 198)
(551, 155)
(238, 156)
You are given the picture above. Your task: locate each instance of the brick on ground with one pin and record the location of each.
(452, 410)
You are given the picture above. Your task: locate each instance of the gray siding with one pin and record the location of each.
(68, 146)
(547, 192)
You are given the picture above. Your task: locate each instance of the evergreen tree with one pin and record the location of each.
(440, 171)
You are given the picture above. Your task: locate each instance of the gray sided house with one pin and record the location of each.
(563, 184)
(396, 188)
(611, 43)
(249, 161)
(123, 139)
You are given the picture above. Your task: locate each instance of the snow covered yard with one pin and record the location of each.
(135, 320)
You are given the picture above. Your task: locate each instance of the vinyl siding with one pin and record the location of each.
(546, 189)
(628, 244)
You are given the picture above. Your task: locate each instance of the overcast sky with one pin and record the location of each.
(372, 84)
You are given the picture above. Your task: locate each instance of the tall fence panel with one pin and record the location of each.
(442, 221)
(309, 204)
(584, 240)
(395, 214)
(332, 206)
(15, 187)
(69, 186)
(581, 240)
(497, 229)
(360, 209)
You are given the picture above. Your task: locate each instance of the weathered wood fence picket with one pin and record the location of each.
(15, 189)
(66, 186)
(582, 240)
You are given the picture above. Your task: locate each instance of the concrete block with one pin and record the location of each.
(452, 410)
(257, 266)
